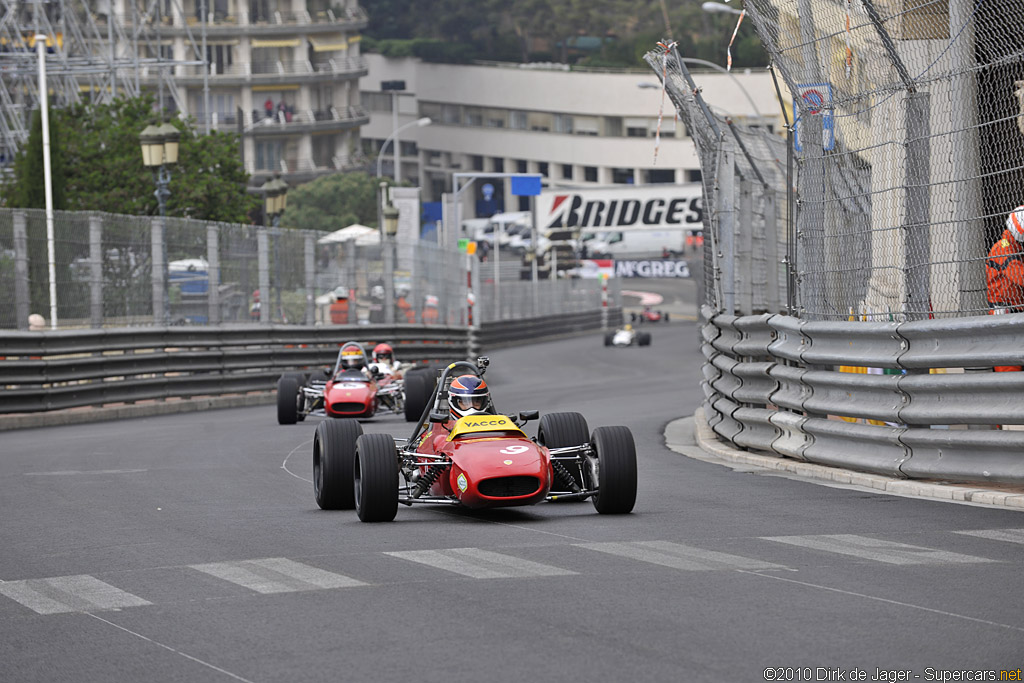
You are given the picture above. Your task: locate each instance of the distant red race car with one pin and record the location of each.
(648, 315)
(476, 461)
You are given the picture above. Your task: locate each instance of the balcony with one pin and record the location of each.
(297, 170)
(219, 23)
(270, 72)
(305, 121)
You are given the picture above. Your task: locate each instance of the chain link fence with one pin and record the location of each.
(115, 271)
(907, 154)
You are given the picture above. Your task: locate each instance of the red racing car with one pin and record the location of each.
(351, 389)
(462, 452)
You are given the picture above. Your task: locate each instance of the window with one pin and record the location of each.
(269, 155)
(499, 164)
(542, 168)
(220, 58)
(323, 150)
(408, 148)
(474, 116)
(637, 128)
(587, 125)
(660, 175)
(451, 114)
(567, 171)
(622, 176)
(694, 176)
(495, 118)
(636, 132)
(539, 121)
(517, 120)
(431, 110)
(376, 101)
(563, 123)
(590, 174)
(520, 165)
(476, 162)
(613, 126)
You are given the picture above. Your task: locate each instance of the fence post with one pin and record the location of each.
(263, 274)
(744, 231)
(917, 218)
(22, 302)
(159, 268)
(310, 248)
(810, 219)
(95, 271)
(726, 205)
(213, 274)
(771, 251)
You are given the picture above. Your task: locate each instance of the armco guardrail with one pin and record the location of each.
(510, 332)
(43, 371)
(916, 399)
(55, 370)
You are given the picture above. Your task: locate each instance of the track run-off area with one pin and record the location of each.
(190, 548)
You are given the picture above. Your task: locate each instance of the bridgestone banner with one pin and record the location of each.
(594, 268)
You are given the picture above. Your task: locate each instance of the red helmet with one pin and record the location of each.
(352, 357)
(383, 352)
(468, 395)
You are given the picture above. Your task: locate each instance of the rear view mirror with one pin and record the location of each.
(527, 415)
(438, 416)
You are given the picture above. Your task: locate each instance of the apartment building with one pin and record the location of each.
(283, 73)
(575, 128)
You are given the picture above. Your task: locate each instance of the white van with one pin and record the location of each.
(634, 243)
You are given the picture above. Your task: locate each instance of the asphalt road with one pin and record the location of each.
(189, 548)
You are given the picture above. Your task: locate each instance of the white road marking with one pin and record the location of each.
(1008, 535)
(679, 556)
(276, 575)
(171, 649)
(877, 550)
(64, 594)
(69, 472)
(480, 564)
(284, 465)
(887, 601)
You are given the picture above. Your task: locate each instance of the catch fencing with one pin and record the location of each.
(115, 271)
(846, 316)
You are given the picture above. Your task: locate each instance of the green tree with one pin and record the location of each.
(101, 160)
(333, 202)
(30, 193)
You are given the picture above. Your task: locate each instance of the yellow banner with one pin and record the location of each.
(280, 42)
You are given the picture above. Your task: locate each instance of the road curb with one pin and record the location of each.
(124, 412)
(708, 441)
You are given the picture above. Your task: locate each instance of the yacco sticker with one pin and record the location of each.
(462, 483)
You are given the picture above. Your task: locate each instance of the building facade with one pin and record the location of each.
(575, 128)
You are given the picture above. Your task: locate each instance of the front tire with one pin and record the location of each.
(334, 453)
(375, 478)
(558, 430)
(616, 470)
(608, 338)
(287, 400)
(644, 339)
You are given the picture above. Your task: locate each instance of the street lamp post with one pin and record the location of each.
(275, 200)
(159, 150)
(390, 230)
(425, 121)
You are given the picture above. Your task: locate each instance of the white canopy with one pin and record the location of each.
(347, 234)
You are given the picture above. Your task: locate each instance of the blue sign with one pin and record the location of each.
(488, 191)
(526, 186)
(815, 99)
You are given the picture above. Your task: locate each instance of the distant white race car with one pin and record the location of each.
(627, 336)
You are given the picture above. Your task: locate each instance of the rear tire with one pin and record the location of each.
(644, 339)
(666, 317)
(375, 478)
(334, 453)
(419, 387)
(287, 400)
(558, 430)
(616, 470)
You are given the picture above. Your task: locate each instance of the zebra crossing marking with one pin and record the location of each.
(80, 593)
(1008, 535)
(679, 556)
(480, 564)
(276, 575)
(875, 549)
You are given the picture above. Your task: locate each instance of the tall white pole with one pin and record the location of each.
(44, 107)
(394, 127)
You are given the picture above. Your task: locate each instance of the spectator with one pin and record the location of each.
(268, 106)
(1004, 272)
(36, 323)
